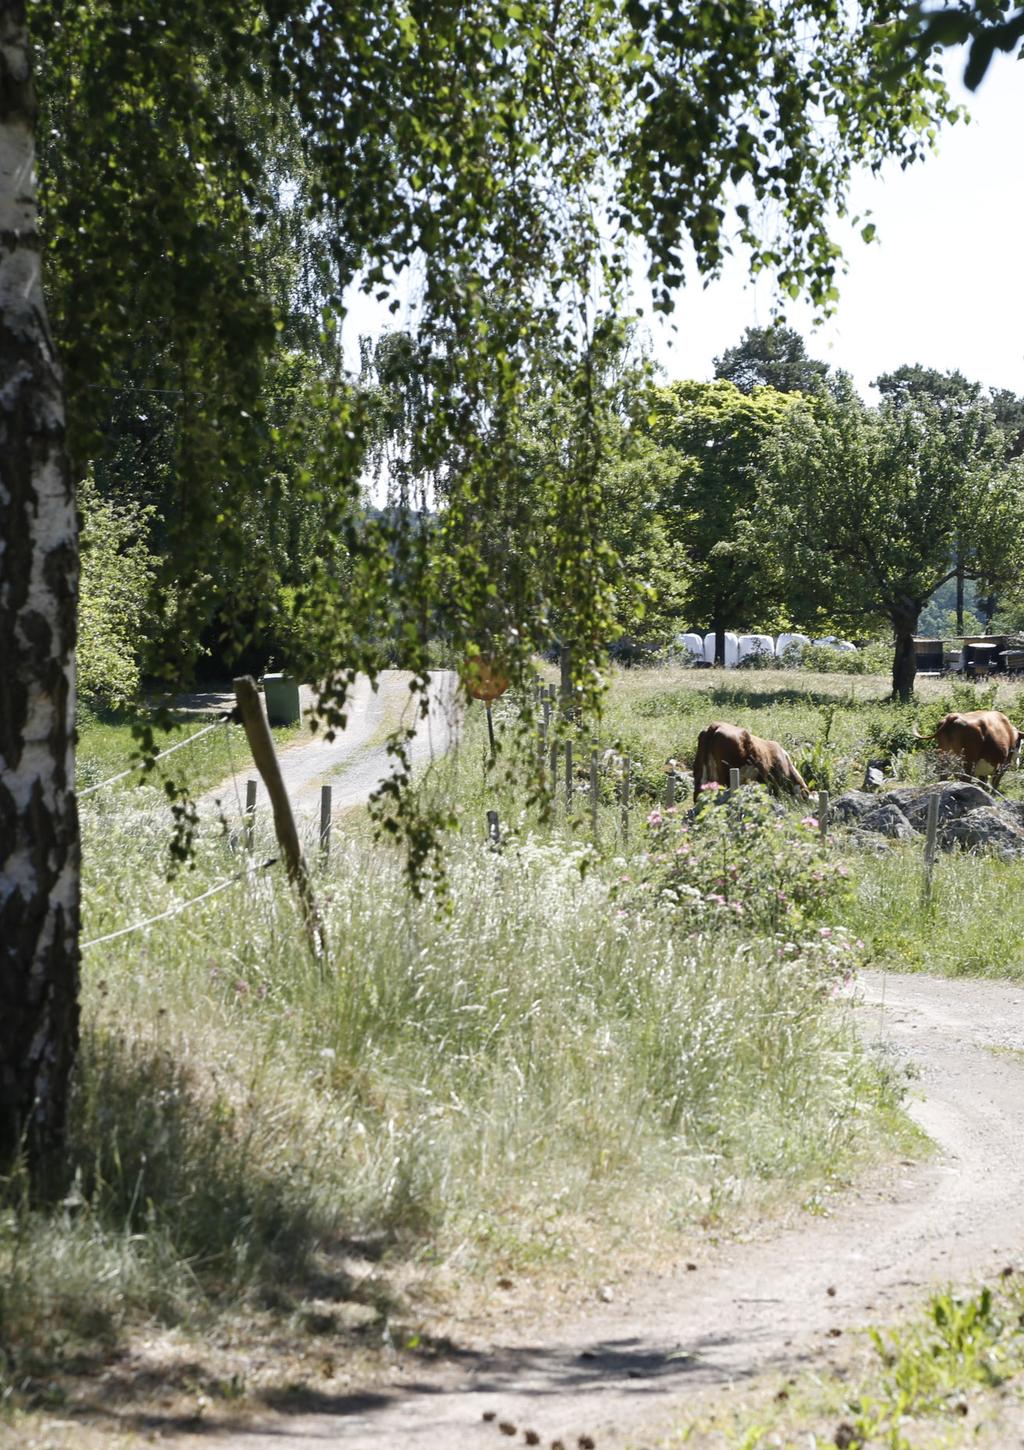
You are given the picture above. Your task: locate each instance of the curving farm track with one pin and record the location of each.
(622, 1372)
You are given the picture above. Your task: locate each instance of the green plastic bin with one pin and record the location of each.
(282, 696)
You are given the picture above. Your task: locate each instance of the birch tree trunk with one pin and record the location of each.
(39, 852)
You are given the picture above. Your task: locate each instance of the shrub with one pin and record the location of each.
(873, 659)
(117, 575)
(821, 765)
(743, 861)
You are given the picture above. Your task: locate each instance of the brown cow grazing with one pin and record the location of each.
(985, 740)
(721, 748)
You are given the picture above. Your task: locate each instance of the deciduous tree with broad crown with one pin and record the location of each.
(862, 512)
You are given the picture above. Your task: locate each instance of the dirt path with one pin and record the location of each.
(622, 1371)
(355, 762)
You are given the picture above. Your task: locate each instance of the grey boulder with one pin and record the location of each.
(985, 829)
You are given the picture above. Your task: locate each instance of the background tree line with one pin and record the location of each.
(769, 498)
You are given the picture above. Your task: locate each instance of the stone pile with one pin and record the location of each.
(971, 818)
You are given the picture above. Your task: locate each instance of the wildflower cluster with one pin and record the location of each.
(746, 861)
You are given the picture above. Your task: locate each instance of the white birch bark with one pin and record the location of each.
(39, 855)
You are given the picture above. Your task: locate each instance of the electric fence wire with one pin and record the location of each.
(181, 905)
(138, 764)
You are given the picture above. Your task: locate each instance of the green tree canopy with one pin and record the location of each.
(509, 153)
(863, 510)
(772, 357)
(719, 434)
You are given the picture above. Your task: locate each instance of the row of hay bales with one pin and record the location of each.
(739, 647)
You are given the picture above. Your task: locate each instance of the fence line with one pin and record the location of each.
(180, 906)
(139, 764)
(549, 751)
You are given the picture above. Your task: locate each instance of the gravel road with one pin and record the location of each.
(355, 762)
(621, 1371)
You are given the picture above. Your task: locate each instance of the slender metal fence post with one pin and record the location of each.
(493, 830)
(568, 776)
(593, 792)
(325, 823)
(625, 796)
(930, 839)
(823, 814)
(250, 814)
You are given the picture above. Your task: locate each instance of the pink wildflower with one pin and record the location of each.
(825, 931)
(655, 818)
(811, 822)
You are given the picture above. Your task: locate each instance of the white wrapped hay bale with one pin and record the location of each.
(731, 649)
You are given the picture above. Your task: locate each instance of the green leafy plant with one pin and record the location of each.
(745, 862)
(821, 765)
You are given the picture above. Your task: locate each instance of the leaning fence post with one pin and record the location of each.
(930, 839)
(261, 743)
(250, 814)
(823, 814)
(568, 776)
(625, 795)
(593, 792)
(325, 822)
(494, 830)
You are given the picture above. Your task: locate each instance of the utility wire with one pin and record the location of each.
(181, 905)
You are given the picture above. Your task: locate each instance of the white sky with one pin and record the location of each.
(941, 286)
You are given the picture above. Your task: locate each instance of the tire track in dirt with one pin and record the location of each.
(623, 1372)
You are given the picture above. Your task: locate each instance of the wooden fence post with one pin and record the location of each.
(554, 769)
(734, 780)
(568, 776)
(250, 815)
(261, 743)
(823, 814)
(325, 822)
(930, 840)
(593, 792)
(494, 830)
(670, 788)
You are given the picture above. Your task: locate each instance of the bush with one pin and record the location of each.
(873, 659)
(117, 575)
(743, 862)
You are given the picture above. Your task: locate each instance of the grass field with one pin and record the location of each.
(832, 725)
(107, 746)
(545, 1069)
